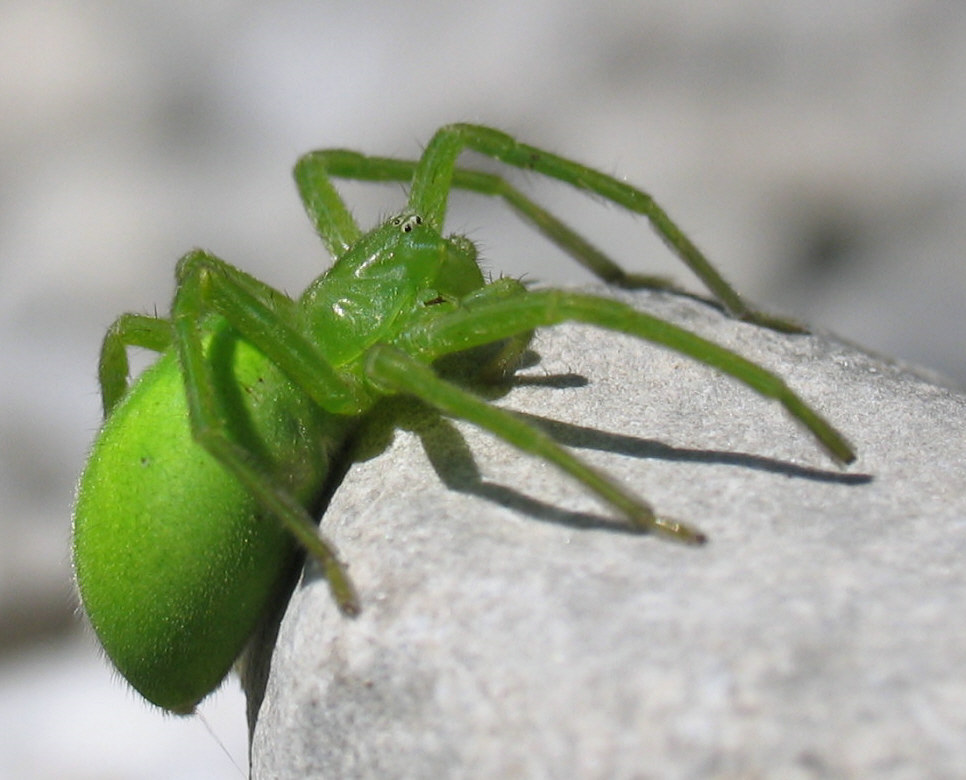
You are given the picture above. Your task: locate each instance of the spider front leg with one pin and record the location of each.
(393, 370)
(435, 174)
(208, 285)
(332, 220)
(500, 366)
(493, 320)
(344, 163)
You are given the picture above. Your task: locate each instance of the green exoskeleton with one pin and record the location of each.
(205, 480)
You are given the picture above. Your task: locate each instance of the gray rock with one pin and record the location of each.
(509, 629)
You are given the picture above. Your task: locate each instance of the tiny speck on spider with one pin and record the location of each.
(198, 498)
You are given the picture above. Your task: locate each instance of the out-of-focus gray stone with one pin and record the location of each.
(509, 631)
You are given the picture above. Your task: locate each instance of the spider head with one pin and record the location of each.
(412, 250)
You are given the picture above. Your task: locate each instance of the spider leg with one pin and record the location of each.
(154, 333)
(484, 322)
(344, 163)
(128, 330)
(208, 285)
(392, 369)
(265, 317)
(502, 365)
(436, 170)
(328, 212)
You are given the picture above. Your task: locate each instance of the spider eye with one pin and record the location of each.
(407, 223)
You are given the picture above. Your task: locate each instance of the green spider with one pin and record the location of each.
(202, 487)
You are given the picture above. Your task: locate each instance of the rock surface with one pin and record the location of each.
(510, 630)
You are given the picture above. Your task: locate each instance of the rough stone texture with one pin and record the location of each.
(509, 631)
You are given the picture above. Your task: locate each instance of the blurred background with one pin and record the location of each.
(815, 153)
